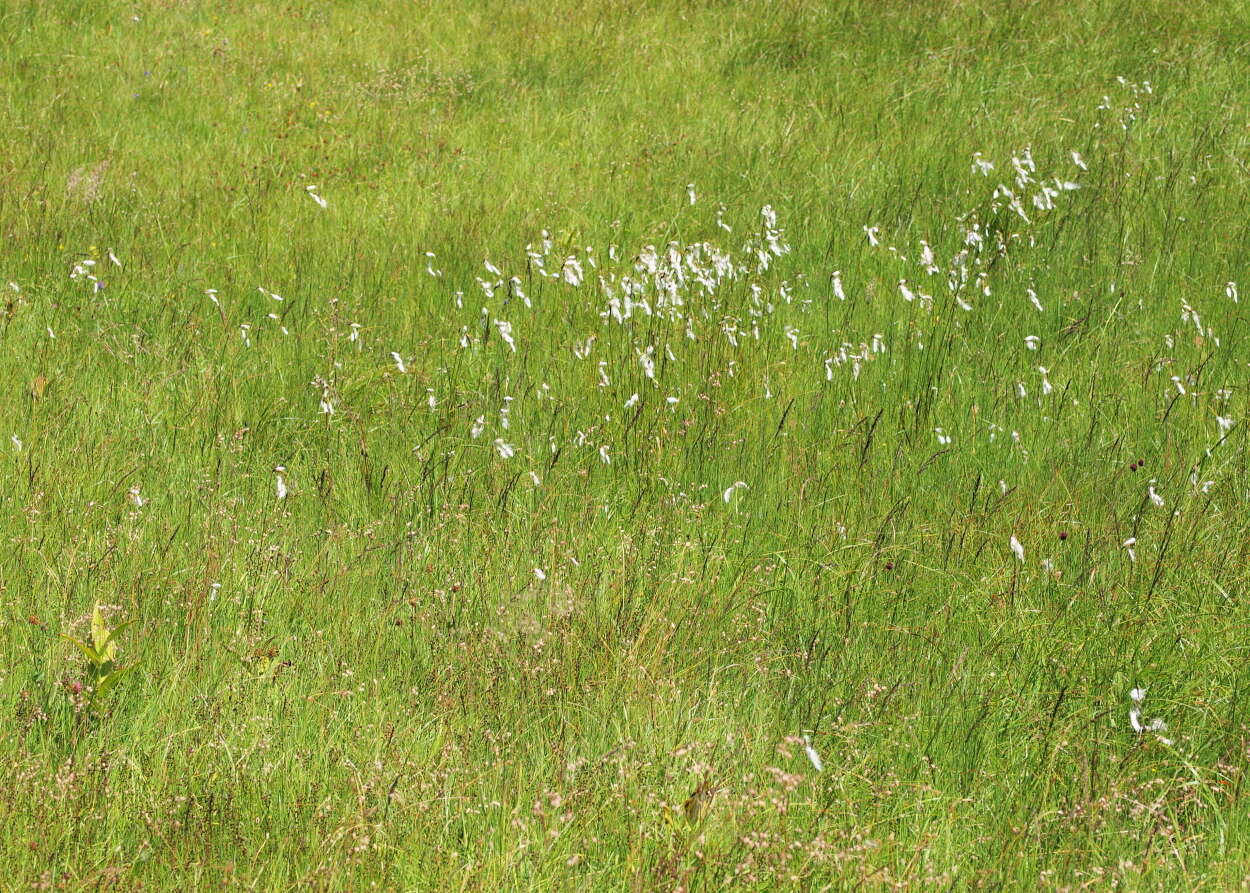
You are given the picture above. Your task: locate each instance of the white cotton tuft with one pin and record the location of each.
(817, 763)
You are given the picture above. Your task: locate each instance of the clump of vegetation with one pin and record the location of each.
(103, 672)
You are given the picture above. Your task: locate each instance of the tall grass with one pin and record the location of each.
(617, 542)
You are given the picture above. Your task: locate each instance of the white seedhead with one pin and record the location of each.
(817, 763)
(312, 193)
(1156, 725)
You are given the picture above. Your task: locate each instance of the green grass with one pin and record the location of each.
(366, 684)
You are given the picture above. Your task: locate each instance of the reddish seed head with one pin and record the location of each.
(889, 565)
(1133, 467)
(1063, 534)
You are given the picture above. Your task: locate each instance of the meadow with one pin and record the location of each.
(624, 446)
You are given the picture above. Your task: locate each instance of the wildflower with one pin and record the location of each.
(812, 756)
(690, 192)
(980, 165)
(505, 450)
(1032, 342)
(731, 489)
(280, 483)
(399, 362)
(926, 258)
(647, 362)
(539, 574)
(1137, 696)
(1128, 545)
(1017, 548)
(505, 332)
(312, 193)
(581, 349)
(837, 285)
(515, 282)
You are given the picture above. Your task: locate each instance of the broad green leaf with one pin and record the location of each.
(99, 631)
(86, 649)
(107, 683)
(108, 642)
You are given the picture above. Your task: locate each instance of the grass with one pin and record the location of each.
(515, 607)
